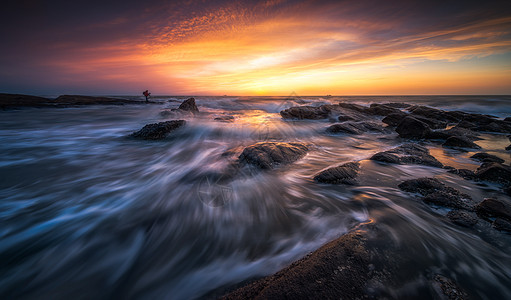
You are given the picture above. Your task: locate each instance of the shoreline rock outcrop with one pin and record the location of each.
(158, 131)
(268, 155)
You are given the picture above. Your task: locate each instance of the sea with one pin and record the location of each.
(87, 212)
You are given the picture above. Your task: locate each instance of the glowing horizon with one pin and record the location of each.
(269, 48)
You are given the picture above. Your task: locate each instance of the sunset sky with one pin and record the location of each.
(272, 47)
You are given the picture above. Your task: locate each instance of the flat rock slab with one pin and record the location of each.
(344, 174)
(268, 155)
(460, 142)
(408, 154)
(158, 131)
(485, 157)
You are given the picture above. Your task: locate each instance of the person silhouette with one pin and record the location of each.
(146, 94)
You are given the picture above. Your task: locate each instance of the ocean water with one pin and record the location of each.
(88, 213)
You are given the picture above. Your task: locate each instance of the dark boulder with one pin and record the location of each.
(394, 119)
(351, 127)
(494, 208)
(433, 113)
(485, 157)
(422, 186)
(381, 110)
(268, 155)
(305, 112)
(158, 131)
(462, 218)
(508, 148)
(408, 154)
(353, 107)
(410, 127)
(397, 105)
(494, 172)
(189, 105)
(460, 142)
(344, 118)
(344, 174)
(507, 119)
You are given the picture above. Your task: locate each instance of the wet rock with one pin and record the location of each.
(386, 157)
(398, 105)
(495, 126)
(344, 174)
(437, 193)
(158, 131)
(460, 142)
(447, 288)
(19, 100)
(353, 107)
(408, 154)
(448, 198)
(268, 155)
(381, 110)
(464, 173)
(344, 118)
(485, 157)
(394, 119)
(494, 172)
(433, 113)
(508, 148)
(507, 119)
(189, 105)
(225, 119)
(410, 127)
(310, 112)
(502, 225)
(462, 218)
(350, 127)
(494, 208)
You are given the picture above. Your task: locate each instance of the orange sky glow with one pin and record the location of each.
(305, 48)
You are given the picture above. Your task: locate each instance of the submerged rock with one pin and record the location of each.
(502, 225)
(225, 119)
(448, 289)
(344, 174)
(494, 208)
(437, 193)
(485, 157)
(189, 105)
(410, 127)
(462, 218)
(158, 131)
(494, 172)
(464, 173)
(408, 154)
(267, 155)
(460, 142)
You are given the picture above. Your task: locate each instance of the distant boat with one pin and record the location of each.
(329, 95)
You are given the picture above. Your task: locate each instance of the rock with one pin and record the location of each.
(465, 173)
(408, 154)
(448, 198)
(462, 218)
(351, 127)
(495, 126)
(268, 155)
(485, 157)
(305, 112)
(433, 113)
(386, 157)
(494, 172)
(397, 105)
(344, 118)
(460, 142)
(189, 105)
(494, 208)
(394, 119)
(507, 119)
(410, 127)
(225, 119)
(508, 148)
(448, 289)
(354, 107)
(422, 186)
(502, 225)
(344, 174)
(381, 110)
(18, 100)
(158, 131)
(437, 193)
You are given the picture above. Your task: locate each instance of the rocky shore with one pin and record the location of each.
(13, 101)
(346, 268)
